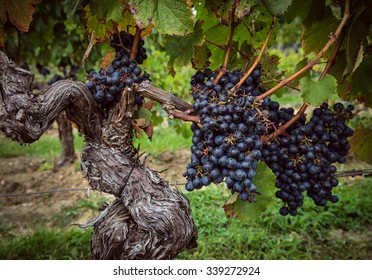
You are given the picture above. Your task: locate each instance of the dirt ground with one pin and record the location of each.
(20, 175)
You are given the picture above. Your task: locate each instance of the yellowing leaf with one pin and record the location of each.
(102, 29)
(19, 12)
(106, 61)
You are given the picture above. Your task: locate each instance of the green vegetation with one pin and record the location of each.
(340, 231)
(47, 147)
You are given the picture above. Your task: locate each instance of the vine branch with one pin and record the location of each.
(137, 38)
(311, 64)
(246, 75)
(331, 60)
(281, 130)
(229, 46)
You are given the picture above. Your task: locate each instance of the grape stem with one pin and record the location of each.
(331, 60)
(310, 65)
(246, 75)
(241, 52)
(137, 38)
(228, 48)
(282, 129)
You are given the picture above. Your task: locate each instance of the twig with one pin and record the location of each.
(235, 48)
(331, 60)
(137, 37)
(246, 75)
(311, 64)
(281, 130)
(183, 116)
(229, 46)
(352, 173)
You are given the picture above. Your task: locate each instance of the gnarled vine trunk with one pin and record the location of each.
(148, 219)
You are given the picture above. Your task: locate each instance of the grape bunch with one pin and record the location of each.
(107, 85)
(234, 135)
(227, 145)
(303, 160)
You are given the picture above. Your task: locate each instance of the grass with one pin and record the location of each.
(340, 231)
(48, 147)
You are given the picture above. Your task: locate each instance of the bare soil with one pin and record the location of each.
(22, 175)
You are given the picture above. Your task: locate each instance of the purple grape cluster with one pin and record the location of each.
(107, 85)
(303, 160)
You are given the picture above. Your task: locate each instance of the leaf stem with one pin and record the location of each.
(310, 65)
(246, 75)
(228, 48)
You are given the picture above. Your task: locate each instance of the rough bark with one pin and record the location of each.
(67, 140)
(148, 219)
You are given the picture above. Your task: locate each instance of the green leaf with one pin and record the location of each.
(301, 8)
(181, 48)
(301, 64)
(70, 7)
(244, 7)
(172, 17)
(200, 58)
(356, 38)
(102, 9)
(145, 114)
(277, 7)
(19, 13)
(361, 144)
(317, 92)
(358, 85)
(316, 34)
(102, 29)
(221, 9)
(265, 182)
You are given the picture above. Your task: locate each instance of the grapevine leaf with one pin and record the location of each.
(144, 114)
(19, 12)
(70, 7)
(180, 48)
(269, 65)
(148, 105)
(102, 9)
(218, 34)
(261, 26)
(356, 38)
(107, 60)
(299, 8)
(317, 92)
(244, 210)
(357, 85)
(277, 8)
(361, 144)
(301, 64)
(316, 34)
(201, 56)
(243, 8)
(168, 16)
(102, 29)
(221, 9)
(149, 130)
